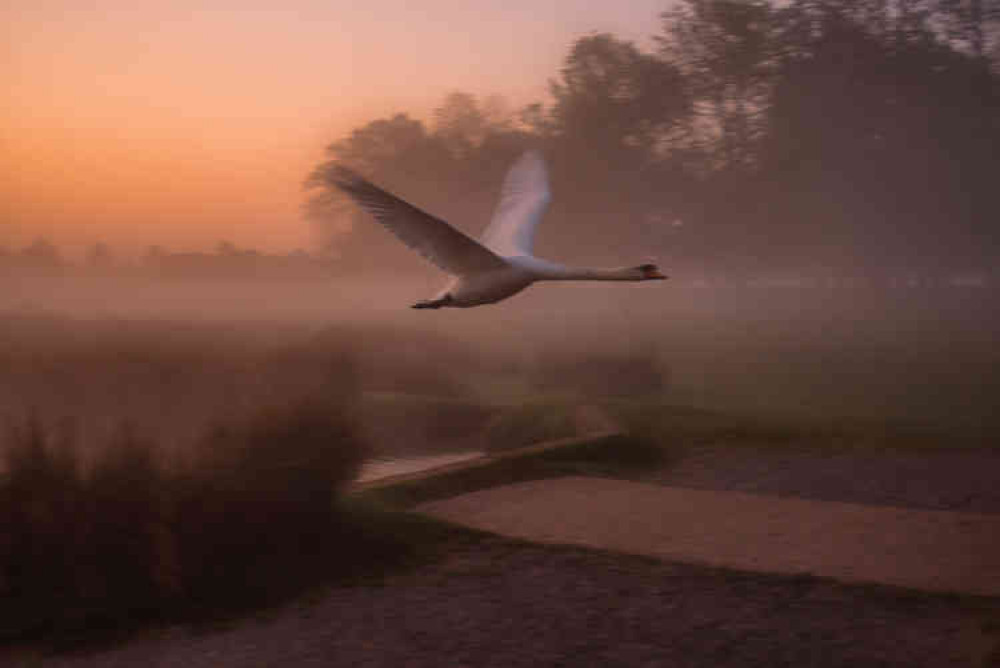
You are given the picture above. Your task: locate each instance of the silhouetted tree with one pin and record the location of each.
(42, 254)
(612, 99)
(535, 120)
(460, 124)
(727, 51)
(453, 171)
(855, 133)
(970, 25)
(227, 249)
(392, 151)
(837, 131)
(878, 143)
(99, 257)
(615, 113)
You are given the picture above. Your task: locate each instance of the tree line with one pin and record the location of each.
(227, 261)
(806, 135)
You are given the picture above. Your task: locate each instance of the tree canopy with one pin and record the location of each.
(855, 134)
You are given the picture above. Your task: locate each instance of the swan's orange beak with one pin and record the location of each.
(653, 274)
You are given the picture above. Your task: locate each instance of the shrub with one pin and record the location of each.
(256, 510)
(122, 528)
(39, 538)
(249, 518)
(528, 424)
(610, 374)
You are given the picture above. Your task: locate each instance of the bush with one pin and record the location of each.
(40, 534)
(256, 510)
(603, 375)
(250, 517)
(123, 534)
(529, 424)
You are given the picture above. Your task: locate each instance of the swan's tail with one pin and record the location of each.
(433, 303)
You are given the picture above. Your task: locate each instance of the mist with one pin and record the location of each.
(108, 350)
(191, 429)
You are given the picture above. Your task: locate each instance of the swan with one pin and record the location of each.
(503, 264)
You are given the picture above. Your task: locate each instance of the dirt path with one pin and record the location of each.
(920, 549)
(497, 602)
(504, 604)
(966, 481)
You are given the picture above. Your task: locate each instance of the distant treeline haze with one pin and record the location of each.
(811, 135)
(226, 260)
(756, 137)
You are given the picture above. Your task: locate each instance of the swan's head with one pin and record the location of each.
(648, 272)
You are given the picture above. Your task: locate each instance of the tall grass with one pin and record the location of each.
(250, 517)
(530, 423)
(175, 379)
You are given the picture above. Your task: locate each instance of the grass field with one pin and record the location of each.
(135, 450)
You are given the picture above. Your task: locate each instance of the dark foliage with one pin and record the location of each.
(636, 374)
(249, 519)
(796, 136)
(529, 424)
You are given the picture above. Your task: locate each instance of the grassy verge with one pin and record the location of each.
(617, 455)
(654, 434)
(677, 427)
(529, 423)
(89, 552)
(259, 513)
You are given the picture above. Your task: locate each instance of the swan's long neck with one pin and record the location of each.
(560, 273)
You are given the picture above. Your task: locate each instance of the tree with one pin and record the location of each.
(227, 248)
(612, 99)
(727, 51)
(879, 136)
(400, 155)
(846, 133)
(453, 172)
(972, 26)
(609, 136)
(386, 145)
(460, 124)
(42, 254)
(99, 256)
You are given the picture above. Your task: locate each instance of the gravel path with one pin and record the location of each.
(931, 550)
(500, 603)
(964, 481)
(505, 603)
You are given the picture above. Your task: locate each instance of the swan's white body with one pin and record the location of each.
(502, 265)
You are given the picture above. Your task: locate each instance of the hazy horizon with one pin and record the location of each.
(183, 124)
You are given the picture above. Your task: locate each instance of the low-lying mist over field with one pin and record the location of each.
(260, 264)
(173, 358)
(166, 442)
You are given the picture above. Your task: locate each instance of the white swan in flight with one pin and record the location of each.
(499, 267)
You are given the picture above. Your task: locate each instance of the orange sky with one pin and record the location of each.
(183, 123)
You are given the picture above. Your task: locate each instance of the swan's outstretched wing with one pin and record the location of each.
(433, 238)
(523, 201)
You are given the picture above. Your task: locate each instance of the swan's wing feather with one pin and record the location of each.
(523, 200)
(436, 240)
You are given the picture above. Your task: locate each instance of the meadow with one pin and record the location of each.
(175, 467)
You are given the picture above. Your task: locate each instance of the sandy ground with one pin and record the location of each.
(967, 481)
(500, 603)
(930, 550)
(505, 603)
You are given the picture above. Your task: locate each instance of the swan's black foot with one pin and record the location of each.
(433, 303)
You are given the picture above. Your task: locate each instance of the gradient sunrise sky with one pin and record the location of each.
(183, 123)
